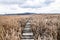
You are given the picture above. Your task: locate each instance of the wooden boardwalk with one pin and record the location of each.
(27, 32)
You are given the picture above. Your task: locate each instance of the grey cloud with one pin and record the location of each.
(22, 2)
(46, 3)
(12, 1)
(30, 6)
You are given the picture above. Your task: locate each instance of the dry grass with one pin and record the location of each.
(45, 27)
(11, 27)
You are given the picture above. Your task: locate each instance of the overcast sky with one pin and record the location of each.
(31, 6)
